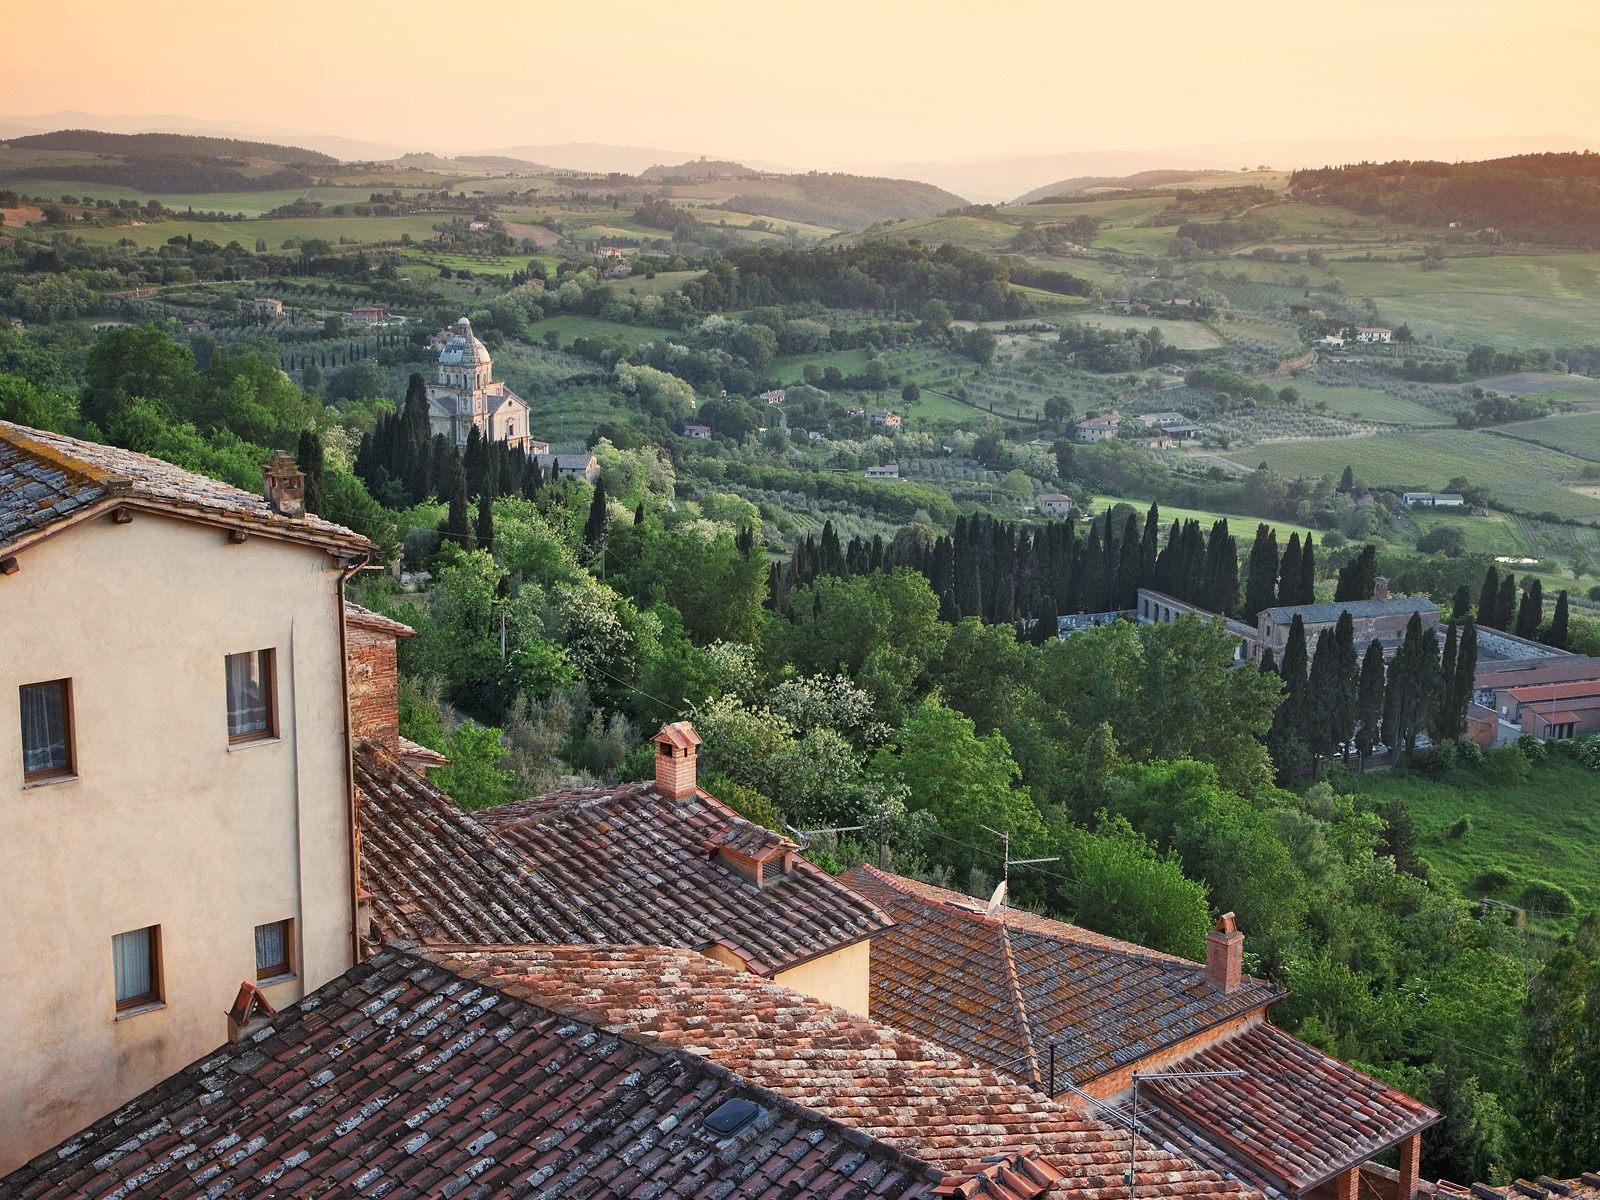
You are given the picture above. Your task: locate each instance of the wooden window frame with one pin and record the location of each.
(269, 687)
(70, 769)
(285, 969)
(155, 996)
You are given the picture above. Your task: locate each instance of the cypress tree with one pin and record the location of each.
(1557, 636)
(415, 433)
(475, 463)
(1261, 573)
(308, 457)
(1290, 724)
(1308, 571)
(1369, 700)
(1447, 724)
(1461, 604)
(1130, 554)
(1321, 696)
(1358, 578)
(1505, 610)
(1289, 572)
(638, 513)
(969, 591)
(485, 527)
(1148, 546)
(594, 529)
(532, 479)
(1094, 570)
(1530, 614)
(1489, 599)
(457, 522)
(1346, 682)
(1221, 594)
(1347, 480)
(1465, 681)
(1269, 664)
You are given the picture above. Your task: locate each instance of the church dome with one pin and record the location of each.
(464, 350)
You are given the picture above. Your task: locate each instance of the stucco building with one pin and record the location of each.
(176, 815)
(466, 396)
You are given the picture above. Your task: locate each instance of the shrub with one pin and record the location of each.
(1495, 879)
(1460, 828)
(1587, 751)
(1551, 899)
(1506, 766)
(1469, 753)
(1531, 748)
(1437, 760)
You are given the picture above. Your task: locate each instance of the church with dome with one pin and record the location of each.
(466, 395)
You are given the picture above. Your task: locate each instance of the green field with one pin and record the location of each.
(1517, 474)
(1496, 533)
(1242, 528)
(365, 230)
(1546, 828)
(1576, 433)
(251, 204)
(1184, 335)
(1368, 404)
(1499, 300)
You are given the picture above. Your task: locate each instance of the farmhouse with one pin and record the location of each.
(700, 433)
(267, 307)
(883, 418)
(886, 471)
(610, 252)
(775, 396)
(1432, 499)
(569, 466)
(467, 397)
(1096, 429)
(367, 314)
(1330, 341)
(1055, 504)
(1159, 442)
(1374, 334)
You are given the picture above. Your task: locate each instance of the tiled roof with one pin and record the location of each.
(1003, 989)
(1020, 1175)
(622, 866)
(1297, 1115)
(1584, 1187)
(401, 1079)
(1534, 692)
(46, 478)
(1314, 614)
(354, 614)
(935, 1105)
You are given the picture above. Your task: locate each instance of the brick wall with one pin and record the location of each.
(374, 685)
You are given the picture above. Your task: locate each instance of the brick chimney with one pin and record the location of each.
(284, 486)
(676, 745)
(1225, 955)
(1380, 588)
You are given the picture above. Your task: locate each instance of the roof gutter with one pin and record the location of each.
(348, 756)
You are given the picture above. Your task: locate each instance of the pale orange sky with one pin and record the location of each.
(819, 82)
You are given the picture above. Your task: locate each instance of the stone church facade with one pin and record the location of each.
(466, 395)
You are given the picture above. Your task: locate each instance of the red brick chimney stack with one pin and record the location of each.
(676, 745)
(284, 486)
(1225, 955)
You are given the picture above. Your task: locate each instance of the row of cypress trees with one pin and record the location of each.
(1499, 608)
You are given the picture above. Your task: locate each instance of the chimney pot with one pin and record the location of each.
(283, 485)
(676, 745)
(1225, 955)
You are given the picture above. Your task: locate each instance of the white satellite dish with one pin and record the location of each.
(997, 900)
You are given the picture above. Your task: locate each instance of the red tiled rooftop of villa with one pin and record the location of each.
(933, 1104)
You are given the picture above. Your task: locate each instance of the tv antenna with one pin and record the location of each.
(1133, 1115)
(1009, 862)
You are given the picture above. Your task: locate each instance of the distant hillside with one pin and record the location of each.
(1067, 188)
(700, 168)
(1548, 198)
(166, 145)
(501, 162)
(840, 201)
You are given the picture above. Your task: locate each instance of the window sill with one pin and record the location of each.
(252, 743)
(138, 1010)
(47, 780)
(275, 980)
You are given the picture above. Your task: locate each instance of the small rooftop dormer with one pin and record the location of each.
(757, 854)
(676, 745)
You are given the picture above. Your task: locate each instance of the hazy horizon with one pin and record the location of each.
(833, 86)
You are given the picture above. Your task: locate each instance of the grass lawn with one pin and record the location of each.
(788, 367)
(575, 325)
(1503, 300)
(1368, 404)
(1546, 828)
(1517, 474)
(1496, 533)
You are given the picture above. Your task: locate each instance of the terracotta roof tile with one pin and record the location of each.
(622, 866)
(1296, 1114)
(354, 614)
(935, 1105)
(1003, 989)
(404, 1080)
(47, 477)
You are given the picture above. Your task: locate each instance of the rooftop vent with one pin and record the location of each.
(732, 1116)
(284, 486)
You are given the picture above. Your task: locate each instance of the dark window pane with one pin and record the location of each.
(44, 728)
(248, 694)
(133, 955)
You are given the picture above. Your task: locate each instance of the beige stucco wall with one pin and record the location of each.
(842, 978)
(164, 825)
